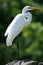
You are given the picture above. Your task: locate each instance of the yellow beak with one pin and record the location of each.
(35, 8)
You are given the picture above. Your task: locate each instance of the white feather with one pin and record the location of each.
(17, 26)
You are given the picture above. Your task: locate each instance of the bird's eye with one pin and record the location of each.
(26, 17)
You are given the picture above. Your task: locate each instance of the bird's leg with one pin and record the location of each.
(18, 42)
(18, 48)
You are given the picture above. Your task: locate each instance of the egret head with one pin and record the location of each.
(28, 8)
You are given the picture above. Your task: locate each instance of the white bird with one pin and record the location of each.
(18, 24)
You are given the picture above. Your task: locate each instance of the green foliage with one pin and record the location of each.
(31, 38)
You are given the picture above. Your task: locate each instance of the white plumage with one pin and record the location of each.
(18, 24)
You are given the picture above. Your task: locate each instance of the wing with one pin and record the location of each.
(14, 23)
(14, 29)
(9, 27)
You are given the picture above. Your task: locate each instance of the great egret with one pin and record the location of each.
(18, 24)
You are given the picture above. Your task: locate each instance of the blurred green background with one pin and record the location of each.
(31, 38)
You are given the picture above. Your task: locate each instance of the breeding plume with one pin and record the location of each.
(18, 23)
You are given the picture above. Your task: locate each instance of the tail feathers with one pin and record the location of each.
(5, 34)
(8, 44)
(8, 41)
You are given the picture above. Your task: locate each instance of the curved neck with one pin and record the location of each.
(28, 19)
(23, 11)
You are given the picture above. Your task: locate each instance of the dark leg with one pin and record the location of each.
(18, 42)
(18, 50)
(18, 47)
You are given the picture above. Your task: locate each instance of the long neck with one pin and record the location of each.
(28, 19)
(24, 11)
